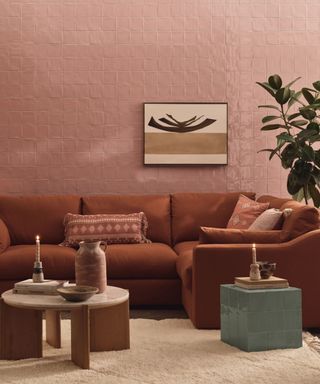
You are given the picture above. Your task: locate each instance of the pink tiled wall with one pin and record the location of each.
(74, 75)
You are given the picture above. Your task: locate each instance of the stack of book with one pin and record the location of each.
(48, 287)
(271, 282)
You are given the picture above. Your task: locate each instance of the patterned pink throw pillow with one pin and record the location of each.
(112, 229)
(245, 213)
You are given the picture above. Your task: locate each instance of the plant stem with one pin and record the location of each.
(284, 119)
(305, 194)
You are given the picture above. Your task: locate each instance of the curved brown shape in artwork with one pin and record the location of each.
(180, 126)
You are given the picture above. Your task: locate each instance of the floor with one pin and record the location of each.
(175, 313)
(158, 314)
(179, 313)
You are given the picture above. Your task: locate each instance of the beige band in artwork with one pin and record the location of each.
(185, 143)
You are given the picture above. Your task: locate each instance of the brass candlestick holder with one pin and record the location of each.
(37, 275)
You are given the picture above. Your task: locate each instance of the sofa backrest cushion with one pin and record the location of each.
(275, 202)
(155, 207)
(303, 218)
(28, 216)
(190, 211)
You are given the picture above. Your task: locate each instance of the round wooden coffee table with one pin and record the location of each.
(98, 324)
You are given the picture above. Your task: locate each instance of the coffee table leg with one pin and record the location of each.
(109, 328)
(80, 337)
(53, 328)
(20, 332)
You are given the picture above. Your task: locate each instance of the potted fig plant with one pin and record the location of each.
(295, 117)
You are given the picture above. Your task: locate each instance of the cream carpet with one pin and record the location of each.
(171, 352)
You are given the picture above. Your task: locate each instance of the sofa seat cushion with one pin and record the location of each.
(16, 262)
(141, 261)
(184, 261)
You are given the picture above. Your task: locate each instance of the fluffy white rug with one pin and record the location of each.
(168, 351)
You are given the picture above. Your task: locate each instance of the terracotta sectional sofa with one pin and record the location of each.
(174, 268)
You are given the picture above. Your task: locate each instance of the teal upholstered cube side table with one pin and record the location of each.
(261, 319)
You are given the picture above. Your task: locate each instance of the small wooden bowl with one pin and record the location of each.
(77, 293)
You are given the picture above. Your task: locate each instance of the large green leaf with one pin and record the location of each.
(294, 98)
(292, 82)
(310, 89)
(299, 123)
(316, 85)
(276, 151)
(275, 82)
(316, 175)
(307, 113)
(302, 170)
(299, 196)
(307, 153)
(307, 134)
(270, 106)
(266, 150)
(315, 194)
(272, 152)
(317, 158)
(266, 119)
(313, 125)
(284, 137)
(293, 116)
(308, 95)
(315, 105)
(288, 155)
(267, 87)
(314, 139)
(293, 184)
(271, 127)
(283, 95)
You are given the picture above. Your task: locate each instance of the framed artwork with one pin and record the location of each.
(185, 133)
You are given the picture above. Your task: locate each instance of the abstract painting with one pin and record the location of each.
(185, 133)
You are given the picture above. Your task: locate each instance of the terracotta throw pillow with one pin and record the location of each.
(239, 236)
(112, 229)
(246, 212)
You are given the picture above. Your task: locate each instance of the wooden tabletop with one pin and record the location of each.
(111, 296)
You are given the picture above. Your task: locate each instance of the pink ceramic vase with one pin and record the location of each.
(90, 265)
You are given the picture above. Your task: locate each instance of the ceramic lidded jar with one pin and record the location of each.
(90, 265)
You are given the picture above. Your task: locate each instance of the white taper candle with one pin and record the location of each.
(254, 254)
(37, 248)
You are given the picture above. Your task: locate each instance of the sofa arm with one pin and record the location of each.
(4, 236)
(214, 264)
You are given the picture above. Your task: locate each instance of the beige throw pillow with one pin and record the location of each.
(267, 220)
